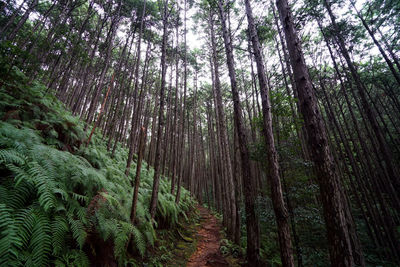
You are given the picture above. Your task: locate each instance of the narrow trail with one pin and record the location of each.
(207, 252)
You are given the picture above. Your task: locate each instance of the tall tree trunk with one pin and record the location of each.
(156, 180)
(136, 77)
(142, 144)
(182, 115)
(226, 159)
(281, 214)
(383, 147)
(176, 134)
(340, 249)
(22, 21)
(11, 20)
(372, 35)
(109, 42)
(252, 226)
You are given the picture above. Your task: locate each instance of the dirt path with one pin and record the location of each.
(207, 252)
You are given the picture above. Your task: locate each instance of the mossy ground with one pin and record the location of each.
(175, 246)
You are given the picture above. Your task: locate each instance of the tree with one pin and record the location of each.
(281, 213)
(156, 181)
(252, 226)
(340, 249)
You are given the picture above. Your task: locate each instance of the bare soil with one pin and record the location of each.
(208, 236)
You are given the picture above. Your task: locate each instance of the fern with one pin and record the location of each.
(25, 220)
(150, 234)
(44, 184)
(122, 236)
(79, 197)
(45, 192)
(3, 194)
(74, 257)
(9, 240)
(11, 156)
(59, 230)
(20, 195)
(78, 231)
(139, 241)
(41, 240)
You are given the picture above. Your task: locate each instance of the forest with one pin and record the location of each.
(200, 133)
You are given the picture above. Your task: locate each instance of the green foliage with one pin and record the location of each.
(54, 192)
(227, 247)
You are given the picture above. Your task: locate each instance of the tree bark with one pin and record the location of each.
(226, 158)
(252, 226)
(329, 183)
(281, 214)
(156, 179)
(383, 147)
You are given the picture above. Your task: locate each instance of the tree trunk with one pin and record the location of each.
(156, 181)
(22, 21)
(281, 214)
(226, 159)
(383, 147)
(252, 226)
(330, 188)
(136, 77)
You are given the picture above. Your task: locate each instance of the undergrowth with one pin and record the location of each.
(58, 198)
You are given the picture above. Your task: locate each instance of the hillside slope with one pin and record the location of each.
(62, 203)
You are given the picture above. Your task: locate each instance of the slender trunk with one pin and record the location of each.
(142, 143)
(175, 130)
(12, 18)
(109, 42)
(136, 77)
(226, 159)
(156, 180)
(281, 214)
(253, 242)
(330, 188)
(383, 147)
(22, 21)
(383, 53)
(182, 144)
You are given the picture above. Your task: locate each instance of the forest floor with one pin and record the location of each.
(208, 242)
(198, 245)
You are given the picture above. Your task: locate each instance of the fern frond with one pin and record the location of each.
(78, 231)
(79, 258)
(112, 200)
(4, 191)
(41, 240)
(185, 216)
(149, 232)
(11, 156)
(45, 186)
(10, 243)
(20, 174)
(20, 195)
(141, 210)
(61, 192)
(139, 241)
(25, 220)
(121, 238)
(79, 197)
(59, 230)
